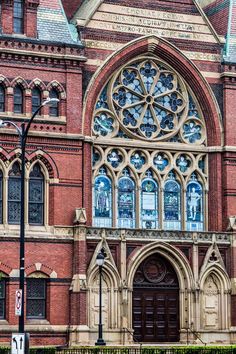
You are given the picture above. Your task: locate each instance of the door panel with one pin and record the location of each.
(156, 315)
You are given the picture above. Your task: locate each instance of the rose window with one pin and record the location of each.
(147, 99)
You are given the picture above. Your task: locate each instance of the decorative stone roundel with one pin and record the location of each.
(146, 99)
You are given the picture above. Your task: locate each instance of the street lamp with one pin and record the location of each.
(22, 131)
(100, 261)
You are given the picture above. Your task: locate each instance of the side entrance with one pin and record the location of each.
(156, 301)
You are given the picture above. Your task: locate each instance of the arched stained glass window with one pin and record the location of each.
(126, 201)
(172, 204)
(36, 99)
(1, 185)
(194, 205)
(149, 204)
(36, 196)
(54, 107)
(14, 194)
(102, 200)
(2, 99)
(18, 100)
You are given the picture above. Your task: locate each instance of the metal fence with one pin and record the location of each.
(143, 350)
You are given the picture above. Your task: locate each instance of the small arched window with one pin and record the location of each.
(14, 194)
(18, 99)
(54, 107)
(149, 204)
(172, 204)
(126, 201)
(2, 99)
(102, 204)
(36, 291)
(194, 205)
(1, 185)
(36, 196)
(18, 16)
(36, 99)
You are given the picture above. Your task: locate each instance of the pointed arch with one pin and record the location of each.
(58, 87)
(4, 82)
(172, 56)
(37, 83)
(20, 81)
(47, 162)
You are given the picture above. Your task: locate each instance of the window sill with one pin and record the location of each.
(37, 119)
(35, 321)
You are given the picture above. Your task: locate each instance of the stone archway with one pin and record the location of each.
(156, 301)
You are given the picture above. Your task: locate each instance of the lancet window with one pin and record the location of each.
(151, 140)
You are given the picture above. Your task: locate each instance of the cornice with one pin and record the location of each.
(40, 58)
(30, 49)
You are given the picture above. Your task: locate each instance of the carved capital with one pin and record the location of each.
(80, 216)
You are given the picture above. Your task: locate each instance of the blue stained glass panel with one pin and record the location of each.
(172, 201)
(149, 204)
(183, 163)
(194, 202)
(103, 124)
(102, 197)
(137, 160)
(160, 162)
(126, 202)
(114, 158)
(192, 131)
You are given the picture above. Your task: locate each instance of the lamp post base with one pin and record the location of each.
(100, 341)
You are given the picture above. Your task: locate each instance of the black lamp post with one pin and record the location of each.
(22, 131)
(100, 261)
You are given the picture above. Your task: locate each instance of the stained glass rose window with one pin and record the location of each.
(146, 99)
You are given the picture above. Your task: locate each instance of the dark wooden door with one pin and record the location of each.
(156, 305)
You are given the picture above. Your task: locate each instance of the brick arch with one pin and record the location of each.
(37, 83)
(4, 81)
(19, 81)
(4, 268)
(47, 161)
(175, 58)
(58, 87)
(40, 268)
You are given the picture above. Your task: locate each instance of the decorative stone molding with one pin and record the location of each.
(80, 216)
(232, 223)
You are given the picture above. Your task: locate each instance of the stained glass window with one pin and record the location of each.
(18, 16)
(36, 196)
(102, 205)
(2, 99)
(126, 201)
(183, 162)
(36, 298)
(18, 100)
(54, 107)
(146, 99)
(172, 204)
(149, 203)
(2, 297)
(1, 185)
(14, 194)
(194, 207)
(36, 99)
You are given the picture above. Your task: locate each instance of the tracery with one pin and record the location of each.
(152, 186)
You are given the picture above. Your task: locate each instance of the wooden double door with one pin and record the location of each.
(156, 302)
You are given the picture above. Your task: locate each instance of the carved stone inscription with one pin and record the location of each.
(149, 22)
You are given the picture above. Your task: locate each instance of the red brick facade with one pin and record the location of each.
(63, 249)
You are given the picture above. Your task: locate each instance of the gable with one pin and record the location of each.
(183, 20)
